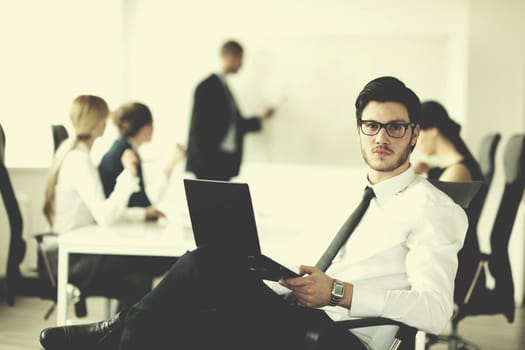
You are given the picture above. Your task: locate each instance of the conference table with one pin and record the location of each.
(296, 220)
(171, 239)
(122, 238)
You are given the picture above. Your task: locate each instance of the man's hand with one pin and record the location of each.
(313, 289)
(153, 214)
(268, 112)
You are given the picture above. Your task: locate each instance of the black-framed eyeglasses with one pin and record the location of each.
(394, 129)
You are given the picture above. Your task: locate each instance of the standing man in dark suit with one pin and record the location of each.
(217, 129)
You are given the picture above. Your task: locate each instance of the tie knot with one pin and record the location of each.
(369, 193)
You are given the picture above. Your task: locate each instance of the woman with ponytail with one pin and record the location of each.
(74, 195)
(75, 198)
(134, 122)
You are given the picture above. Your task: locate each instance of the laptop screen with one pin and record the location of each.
(221, 213)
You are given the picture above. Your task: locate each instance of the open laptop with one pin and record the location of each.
(222, 214)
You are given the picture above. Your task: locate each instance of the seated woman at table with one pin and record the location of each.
(135, 125)
(440, 137)
(74, 198)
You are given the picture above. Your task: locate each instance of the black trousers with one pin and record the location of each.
(210, 300)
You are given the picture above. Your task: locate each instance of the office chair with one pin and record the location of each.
(487, 156)
(464, 194)
(2, 145)
(481, 300)
(59, 135)
(43, 283)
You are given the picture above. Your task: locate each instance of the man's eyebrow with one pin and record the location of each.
(401, 121)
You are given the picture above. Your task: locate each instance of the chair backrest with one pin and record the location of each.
(487, 163)
(2, 144)
(17, 245)
(59, 134)
(499, 263)
(487, 156)
(463, 193)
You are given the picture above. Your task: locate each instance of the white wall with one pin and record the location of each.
(52, 51)
(316, 55)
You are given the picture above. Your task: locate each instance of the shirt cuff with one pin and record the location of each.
(367, 302)
(128, 182)
(135, 214)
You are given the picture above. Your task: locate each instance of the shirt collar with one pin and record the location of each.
(82, 146)
(389, 188)
(130, 142)
(222, 77)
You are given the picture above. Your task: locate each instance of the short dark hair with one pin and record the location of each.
(131, 117)
(389, 89)
(231, 47)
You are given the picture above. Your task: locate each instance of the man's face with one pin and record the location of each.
(232, 62)
(386, 156)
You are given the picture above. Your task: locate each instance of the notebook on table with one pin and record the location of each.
(222, 214)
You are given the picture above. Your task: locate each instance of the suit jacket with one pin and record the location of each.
(214, 109)
(110, 168)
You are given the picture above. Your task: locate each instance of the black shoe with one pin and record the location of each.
(89, 336)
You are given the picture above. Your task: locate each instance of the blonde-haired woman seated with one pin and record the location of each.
(75, 198)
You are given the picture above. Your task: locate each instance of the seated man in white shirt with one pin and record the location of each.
(399, 263)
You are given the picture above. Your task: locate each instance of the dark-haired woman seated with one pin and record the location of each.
(134, 122)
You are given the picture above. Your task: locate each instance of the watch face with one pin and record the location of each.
(339, 289)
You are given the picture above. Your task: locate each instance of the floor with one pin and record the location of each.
(21, 325)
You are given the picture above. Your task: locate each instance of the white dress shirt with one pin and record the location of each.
(228, 143)
(80, 199)
(401, 259)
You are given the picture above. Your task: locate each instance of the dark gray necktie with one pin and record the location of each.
(345, 231)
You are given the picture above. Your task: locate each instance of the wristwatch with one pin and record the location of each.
(338, 291)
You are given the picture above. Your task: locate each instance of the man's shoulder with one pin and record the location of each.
(210, 80)
(431, 207)
(426, 194)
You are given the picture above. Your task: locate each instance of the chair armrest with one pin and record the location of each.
(404, 334)
(368, 322)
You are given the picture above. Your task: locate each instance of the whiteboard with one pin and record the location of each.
(319, 78)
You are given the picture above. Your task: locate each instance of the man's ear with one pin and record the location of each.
(415, 135)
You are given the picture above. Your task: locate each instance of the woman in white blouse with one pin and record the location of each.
(75, 197)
